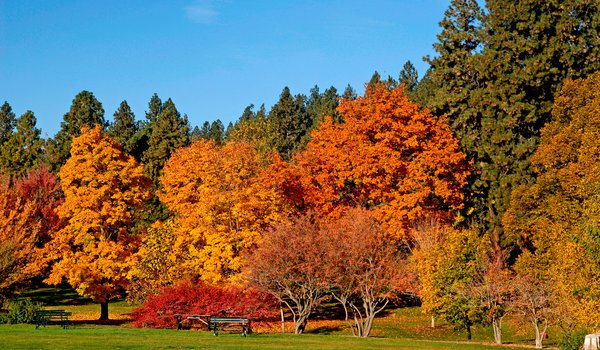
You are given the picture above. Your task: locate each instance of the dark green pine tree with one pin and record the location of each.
(424, 91)
(287, 123)
(7, 122)
(217, 132)
(349, 93)
(155, 107)
(248, 114)
(124, 128)
(453, 74)
(24, 149)
(139, 141)
(228, 130)
(85, 111)
(409, 77)
(205, 131)
(169, 132)
(196, 134)
(318, 105)
(496, 77)
(531, 48)
(375, 78)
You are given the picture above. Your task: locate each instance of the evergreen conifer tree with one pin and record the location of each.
(7, 122)
(409, 77)
(169, 132)
(287, 123)
(124, 128)
(24, 148)
(85, 110)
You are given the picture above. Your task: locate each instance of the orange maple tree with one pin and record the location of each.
(104, 188)
(389, 155)
(221, 206)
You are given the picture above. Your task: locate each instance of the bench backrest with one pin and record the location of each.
(50, 312)
(229, 319)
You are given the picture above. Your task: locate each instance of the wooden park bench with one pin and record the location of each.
(191, 320)
(44, 317)
(217, 323)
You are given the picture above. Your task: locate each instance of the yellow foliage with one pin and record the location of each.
(558, 216)
(221, 206)
(103, 187)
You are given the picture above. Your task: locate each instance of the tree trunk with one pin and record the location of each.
(300, 325)
(469, 335)
(432, 321)
(497, 326)
(282, 321)
(104, 311)
(539, 334)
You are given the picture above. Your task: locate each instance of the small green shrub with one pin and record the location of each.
(572, 340)
(20, 311)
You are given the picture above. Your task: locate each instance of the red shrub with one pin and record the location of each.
(196, 298)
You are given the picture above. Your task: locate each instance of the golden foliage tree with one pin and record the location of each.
(155, 267)
(388, 155)
(221, 205)
(557, 218)
(104, 189)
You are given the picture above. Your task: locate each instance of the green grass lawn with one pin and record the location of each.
(119, 337)
(402, 328)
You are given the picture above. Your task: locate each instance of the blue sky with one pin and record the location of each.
(212, 57)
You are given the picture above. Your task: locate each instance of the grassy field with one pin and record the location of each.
(119, 337)
(402, 328)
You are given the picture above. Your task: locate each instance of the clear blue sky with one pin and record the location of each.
(212, 57)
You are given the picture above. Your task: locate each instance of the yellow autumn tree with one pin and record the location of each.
(155, 267)
(221, 205)
(557, 218)
(104, 188)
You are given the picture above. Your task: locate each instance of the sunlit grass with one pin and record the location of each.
(401, 328)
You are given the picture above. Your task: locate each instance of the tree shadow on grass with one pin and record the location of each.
(56, 296)
(325, 330)
(100, 322)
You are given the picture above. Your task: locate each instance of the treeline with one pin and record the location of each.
(483, 177)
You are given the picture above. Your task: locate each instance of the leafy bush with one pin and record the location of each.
(573, 340)
(197, 298)
(20, 311)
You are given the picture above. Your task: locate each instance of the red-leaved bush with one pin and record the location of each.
(197, 298)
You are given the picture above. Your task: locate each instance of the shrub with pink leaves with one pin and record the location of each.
(197, 298)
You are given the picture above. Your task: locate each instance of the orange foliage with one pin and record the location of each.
(103, 189)
(221, 206)
(388, 155)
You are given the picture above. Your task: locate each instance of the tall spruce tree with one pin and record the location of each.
(24, 148)
(124, 128)
(217, 132)
(409, 77)
(453, 73)
(496, 76)
(85, 110)
(349, 93)
(287, 123)
(531, 48)
(169, 132)
(319, 105)
(7, 122)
